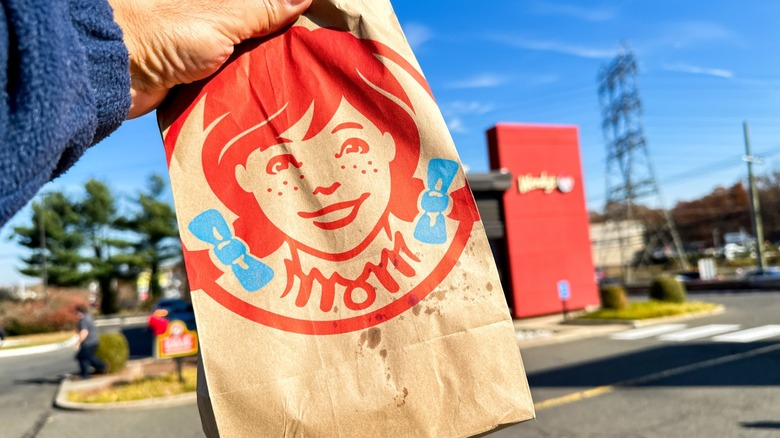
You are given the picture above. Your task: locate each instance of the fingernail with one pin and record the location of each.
(297, 3)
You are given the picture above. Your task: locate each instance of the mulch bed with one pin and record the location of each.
(167, 366)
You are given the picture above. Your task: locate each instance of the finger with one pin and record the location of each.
(145, 102)
(275, 14)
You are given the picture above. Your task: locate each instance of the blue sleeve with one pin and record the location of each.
(64, 86)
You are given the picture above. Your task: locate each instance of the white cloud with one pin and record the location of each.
(687, 68)
(457, 111)
(484, 80)
(692, 33)
(555, 47)
(455, 124)
(460, 107)
(579, 12)
(417, 34)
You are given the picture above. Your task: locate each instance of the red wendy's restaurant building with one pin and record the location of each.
(532, 204)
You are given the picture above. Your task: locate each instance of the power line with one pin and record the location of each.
(700, 172)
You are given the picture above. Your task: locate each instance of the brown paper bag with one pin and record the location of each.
(342, 281)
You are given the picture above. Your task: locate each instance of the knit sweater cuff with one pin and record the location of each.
(108, 63)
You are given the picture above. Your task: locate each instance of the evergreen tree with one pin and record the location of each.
(75, 242)
(55, 239)
(108, 255)
(155, 223)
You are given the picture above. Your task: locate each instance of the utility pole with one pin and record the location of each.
(755, 205)
(42, 238)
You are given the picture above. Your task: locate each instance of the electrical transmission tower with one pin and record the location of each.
(629, 172)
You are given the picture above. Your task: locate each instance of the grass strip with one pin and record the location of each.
(651, 309)
(140, 389)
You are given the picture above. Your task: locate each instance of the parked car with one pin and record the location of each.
(170, 309)
(763, 278)
(763, 274)
(686, 276)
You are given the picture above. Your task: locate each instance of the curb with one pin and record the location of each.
(69, 384)
(558, 335)
(23, 351)
(635, 323)
(121, 320)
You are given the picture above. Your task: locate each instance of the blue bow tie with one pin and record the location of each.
(211, 227)
(431, 227)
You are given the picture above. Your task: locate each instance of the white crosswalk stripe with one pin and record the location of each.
(699, 332)
(750, 335)
(647, 332)
(716, 333)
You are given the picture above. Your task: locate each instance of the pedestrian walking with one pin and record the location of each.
(87, 343)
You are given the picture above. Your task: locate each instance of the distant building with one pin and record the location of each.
(741, 238)
(614, 244)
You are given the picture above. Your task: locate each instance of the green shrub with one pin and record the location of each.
(613, 296)
(113, 351)
(668, 289)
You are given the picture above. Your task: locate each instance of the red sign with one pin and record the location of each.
(545, 215)
(177, 341)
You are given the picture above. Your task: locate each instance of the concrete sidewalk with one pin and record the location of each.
(532, 332)
(37, 349)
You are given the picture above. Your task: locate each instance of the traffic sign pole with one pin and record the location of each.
(564, 293)
(179, 365)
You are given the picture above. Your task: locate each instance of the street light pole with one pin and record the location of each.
(42, 237)
(755, 206)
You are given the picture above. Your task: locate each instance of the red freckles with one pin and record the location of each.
(284, 182)
(343, 167)
(270, 190)
(295, 188)
(301, 176)
(376, 170)
(363, 172)
(280, 193)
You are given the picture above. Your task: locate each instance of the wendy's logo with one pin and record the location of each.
(322, 214)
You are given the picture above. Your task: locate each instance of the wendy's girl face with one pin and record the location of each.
(329, 191)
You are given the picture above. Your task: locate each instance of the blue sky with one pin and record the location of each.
(705, 67)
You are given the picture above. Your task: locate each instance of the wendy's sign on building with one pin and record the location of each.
(546, 219)
(544, 182)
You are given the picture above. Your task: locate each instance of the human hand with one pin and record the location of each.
(175, 42)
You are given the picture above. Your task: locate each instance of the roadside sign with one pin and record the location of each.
(707, 269)
(564, 290)
(177, 341)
